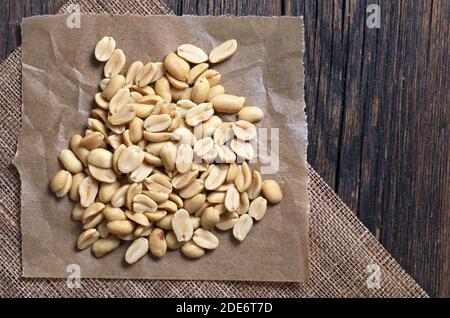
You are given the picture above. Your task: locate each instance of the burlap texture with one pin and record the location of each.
(341, 247)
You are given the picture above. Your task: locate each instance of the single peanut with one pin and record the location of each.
(136, 250)
(223, 51)
(157, 243)
(104, 48)
(105, 245)
(61, 183)
(272, 191)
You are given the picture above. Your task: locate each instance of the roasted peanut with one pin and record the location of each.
(210, 217)
(104, 48)
(242, 227)
(198, 114)
(252, 114)
(107, 190)
(136, 250)
(192, 54)
(192, 250)
(130, 159)
(182, 226)
(172, 242)
(223, 51)
(157, 243)
(132, 71)
(121, 227)
(196, 71)
(88, 190)
(258, 208)
(70, 161)
(205, 239)
(227, 220)
(200, 91)
(176, 66)
(61, 183)
(105, 245)
(145, 75)
(272, 191)
(115, 63)
(87, 238)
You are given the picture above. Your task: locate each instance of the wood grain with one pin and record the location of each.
(11, 14)
(378, 113)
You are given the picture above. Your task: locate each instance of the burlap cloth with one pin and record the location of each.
(341, 247)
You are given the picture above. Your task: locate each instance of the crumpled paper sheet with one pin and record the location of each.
(60, 78)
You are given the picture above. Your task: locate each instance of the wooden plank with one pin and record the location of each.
(393, 166)
(437, 110)
(223, 7)
(11, 14)
(415, 148)
(360, 48)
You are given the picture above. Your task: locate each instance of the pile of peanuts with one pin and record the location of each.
(157, 166)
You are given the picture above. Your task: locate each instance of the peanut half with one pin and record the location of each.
(61, 183)
(242, 227)
(223, 51)
(104, 48)
(205, 239)
(272, 191)
(192, 54)
(182, 226)
(136, 250)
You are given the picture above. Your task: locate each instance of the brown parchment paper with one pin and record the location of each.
(59, 79)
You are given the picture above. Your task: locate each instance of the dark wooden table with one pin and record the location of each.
(378, 107)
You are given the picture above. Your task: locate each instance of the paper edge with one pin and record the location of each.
(17, 156)
(307, 263)
(165, 16)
